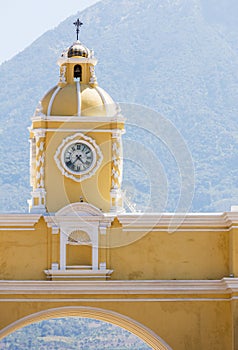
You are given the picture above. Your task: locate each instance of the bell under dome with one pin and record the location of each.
(77, 92)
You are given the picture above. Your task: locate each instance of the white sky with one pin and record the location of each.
(23, 21)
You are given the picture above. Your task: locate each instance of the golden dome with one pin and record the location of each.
(78, 49)
(77, 100)
(77, 92)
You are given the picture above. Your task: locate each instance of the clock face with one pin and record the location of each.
(78, 157)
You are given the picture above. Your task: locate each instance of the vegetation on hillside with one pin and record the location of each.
(178, 57)
(72, 333)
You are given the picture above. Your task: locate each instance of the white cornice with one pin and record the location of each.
(139, 221)
(85, 119)
(75, 60)
(182, 221)
(196, 222)
(96, 130)
(22, 220)
(166, 287)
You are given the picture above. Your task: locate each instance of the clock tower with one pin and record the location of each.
(75, 136)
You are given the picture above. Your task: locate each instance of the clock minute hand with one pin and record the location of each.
(77, 158)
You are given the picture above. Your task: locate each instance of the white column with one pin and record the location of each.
(63, 242)
(95, 257)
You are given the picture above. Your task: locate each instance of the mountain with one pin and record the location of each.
(72, 333)
(173, 64)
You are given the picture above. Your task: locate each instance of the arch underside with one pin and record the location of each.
(142, 332)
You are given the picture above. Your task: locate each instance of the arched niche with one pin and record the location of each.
(79, 250)
(79, 220)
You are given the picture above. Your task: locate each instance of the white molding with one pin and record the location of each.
(75, 60)
(52, 100)
(27, 220)
(78, 96)
(38, 133)
(103, 99)
(81, 130)
(116, 300)
(179, 229)
(17, 229)
(55, 230)
(79, 216)
(193, 222)
(166, 220)
(78, 274)
(84, 212)
(73, 119)
(79, 209)
(39, 111)
(40, 208)
(153, 287)
(78, 137)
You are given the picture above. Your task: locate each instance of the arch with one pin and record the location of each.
(142, 332)
(79, 237)
(79, 209)
(78, 72)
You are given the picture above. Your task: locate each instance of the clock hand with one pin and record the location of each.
(77, 158)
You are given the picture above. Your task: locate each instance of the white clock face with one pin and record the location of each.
(78, 157)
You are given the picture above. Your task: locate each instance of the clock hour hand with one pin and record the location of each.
(77, 158)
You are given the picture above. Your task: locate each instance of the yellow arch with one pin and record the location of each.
(144, 333)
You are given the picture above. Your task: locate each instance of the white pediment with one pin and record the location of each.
(79, 209)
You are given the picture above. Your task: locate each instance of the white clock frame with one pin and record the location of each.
(81, 138)
(86, 170)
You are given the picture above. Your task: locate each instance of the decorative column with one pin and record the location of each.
(63, 74)
(37, 204)
(116, 173)
(93, 78)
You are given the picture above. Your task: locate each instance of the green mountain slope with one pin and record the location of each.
(178, 57)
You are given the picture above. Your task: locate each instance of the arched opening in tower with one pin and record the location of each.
(78, 72)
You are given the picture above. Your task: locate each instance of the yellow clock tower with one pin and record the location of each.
(76, 149)
(77, 253)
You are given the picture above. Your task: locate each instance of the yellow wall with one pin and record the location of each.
(24, 254)
(133, 255)
(161, 255)
(184, 325)
(62, 190)
(78, 255)
(185, 320)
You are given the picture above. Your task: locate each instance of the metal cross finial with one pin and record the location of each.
(78, 24)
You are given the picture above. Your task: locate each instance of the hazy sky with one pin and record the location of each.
(23, 21)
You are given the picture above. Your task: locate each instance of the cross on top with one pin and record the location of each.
(78, 24)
